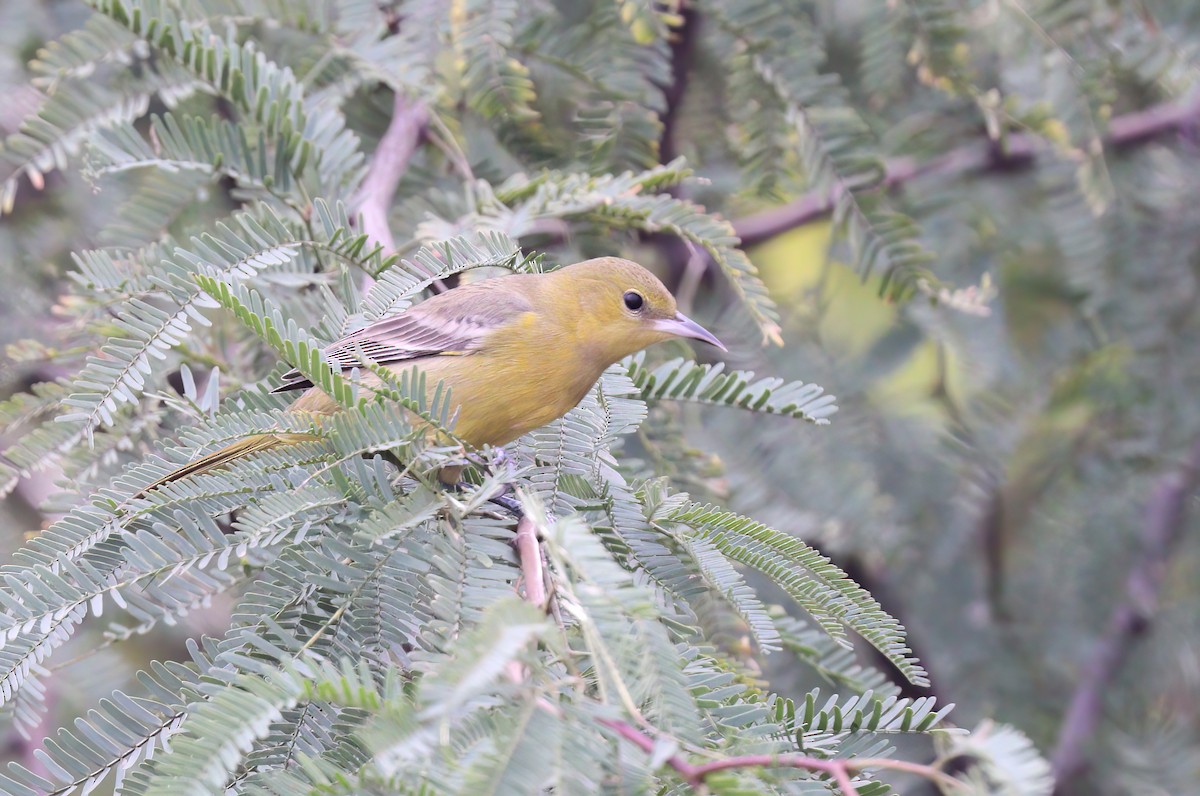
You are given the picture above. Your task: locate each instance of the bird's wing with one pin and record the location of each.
(453, 323)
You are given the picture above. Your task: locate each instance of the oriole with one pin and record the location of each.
(516, 351)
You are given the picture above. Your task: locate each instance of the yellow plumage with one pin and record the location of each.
(516, 351)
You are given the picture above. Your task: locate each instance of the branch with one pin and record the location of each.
(675, 252)
(533, 575)
(683, 46)
(1163, 526)
(1019, 151)
(390, 161)
(529, 551)
(840, 770)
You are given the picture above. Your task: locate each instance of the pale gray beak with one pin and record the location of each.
(683, 326)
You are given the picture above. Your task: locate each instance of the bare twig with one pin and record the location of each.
(840, 770)
(1019, 151)
(683, 46)
(674, 251)
(1163, 525)
(390, 161)
(533, 578)
(529, 551)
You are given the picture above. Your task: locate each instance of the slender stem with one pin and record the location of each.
(644, 742)
(533, 575)
(336, 616)
(442, 137)
(529, 551)
(674, 252)
(683, 47)
(839, 770)
(930, 772)
(845, 784)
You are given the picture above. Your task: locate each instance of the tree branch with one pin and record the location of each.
(1020, 151)
(840, 770)
(529, 552)
(533, 577)
(1163, 526)
(674, 251)
(388, 164)
(683, 46)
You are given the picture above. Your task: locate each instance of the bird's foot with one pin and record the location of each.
(509, 503)
(498, 463)
(504, 498)
(501, 462)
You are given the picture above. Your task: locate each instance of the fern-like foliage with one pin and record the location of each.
(380, 636)
(334, 547)
(496, 83)
(808, 577)
(680, 380)
(835, 144)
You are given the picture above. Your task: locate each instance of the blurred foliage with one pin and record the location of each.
(993, 458)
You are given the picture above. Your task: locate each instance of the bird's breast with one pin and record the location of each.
(498, 397)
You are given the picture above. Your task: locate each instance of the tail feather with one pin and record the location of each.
(230, 453)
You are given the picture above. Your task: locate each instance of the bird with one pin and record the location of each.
(516, 351)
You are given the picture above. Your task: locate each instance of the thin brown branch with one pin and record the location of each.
(1019, 151)
(529, 552)
(839, 770)
(374, 198)
(533, 579)
(644, 742)
(1162, 528)
(686, 267)
(683, 47)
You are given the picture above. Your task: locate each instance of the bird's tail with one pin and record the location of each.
(233, 452)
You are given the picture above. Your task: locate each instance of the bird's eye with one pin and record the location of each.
(634, 300)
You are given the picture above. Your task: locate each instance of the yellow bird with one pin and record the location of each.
(516, 352)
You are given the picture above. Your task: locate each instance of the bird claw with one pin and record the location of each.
(508, 503)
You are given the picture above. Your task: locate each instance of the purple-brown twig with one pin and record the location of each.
(840, 770)
(1162, 527)
(1019, 151)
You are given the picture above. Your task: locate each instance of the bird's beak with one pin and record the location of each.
(683, 326)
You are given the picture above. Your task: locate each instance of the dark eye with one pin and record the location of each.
(634, 300)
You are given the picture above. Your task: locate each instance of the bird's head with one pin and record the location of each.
(623, 307)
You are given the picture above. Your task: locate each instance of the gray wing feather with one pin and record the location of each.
(455, 322)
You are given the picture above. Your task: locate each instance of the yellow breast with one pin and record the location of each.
(497, 398)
